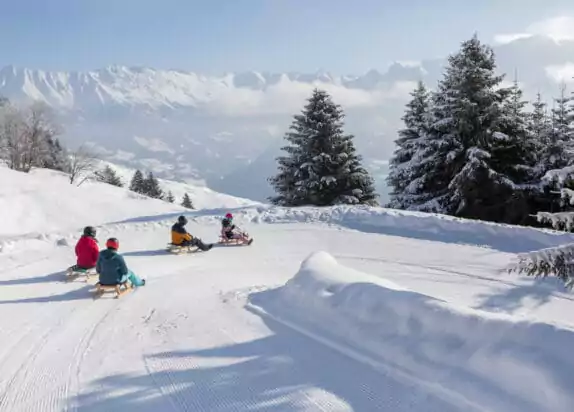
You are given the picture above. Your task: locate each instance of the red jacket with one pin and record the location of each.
(87, 252)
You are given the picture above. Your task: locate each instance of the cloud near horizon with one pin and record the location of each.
(557, 28)
(561, 74)
(289, 97)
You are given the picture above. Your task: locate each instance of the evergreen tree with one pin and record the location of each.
(186, 202)
(514, 157)
(170, 198)
(560, 135)
(562, 120)
(137, 184)
(539, 127)
(109, 176)
(555, 153)
(151, 187)
(406, 172)
(540, 131)
(56, 156)
(467, 112)
(321, 167)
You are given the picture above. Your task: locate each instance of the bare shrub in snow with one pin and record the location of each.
(27, 137)
(82, 163)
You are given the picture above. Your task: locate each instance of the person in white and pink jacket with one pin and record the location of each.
(231, 232)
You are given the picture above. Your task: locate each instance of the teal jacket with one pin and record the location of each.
(111, 267)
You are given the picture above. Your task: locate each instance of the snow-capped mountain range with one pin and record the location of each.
(222, 128)
(141, 86)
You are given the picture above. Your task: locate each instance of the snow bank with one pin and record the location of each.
(469, 357)
(418, 225)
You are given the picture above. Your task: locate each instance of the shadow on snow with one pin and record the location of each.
(537, 291)
(280, 372)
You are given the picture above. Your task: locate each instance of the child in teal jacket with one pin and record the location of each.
(112, 267)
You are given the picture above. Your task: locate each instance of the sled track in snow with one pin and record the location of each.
(44, 372)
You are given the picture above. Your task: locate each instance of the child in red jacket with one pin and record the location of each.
(87, 250)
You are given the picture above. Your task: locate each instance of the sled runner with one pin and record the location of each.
(178, 249)
(119, 289)
(73, 273)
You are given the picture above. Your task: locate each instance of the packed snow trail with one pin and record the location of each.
(185, 342)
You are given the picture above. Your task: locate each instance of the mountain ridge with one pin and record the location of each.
(183, 124)
(164, 87)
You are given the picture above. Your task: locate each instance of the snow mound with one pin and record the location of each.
(419, 225)
(467, 356)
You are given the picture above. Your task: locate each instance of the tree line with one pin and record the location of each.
(149, 186)
(473, 148)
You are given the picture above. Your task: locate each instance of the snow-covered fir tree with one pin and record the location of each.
(186, 202)
(170, 198)
(470, 119)
(137, 182)
(514, 157)
(407, 171)
(556, 152)
(539, 127)
(560, 137)
(562, 122)
(556, 161)
(151, 187)
(538, 122)
(108, 175)
(322, 167)
(542, 135)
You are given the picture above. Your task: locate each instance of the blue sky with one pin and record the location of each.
(214, 36)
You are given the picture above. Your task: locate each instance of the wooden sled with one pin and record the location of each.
(177, 249)
(238, 242)
(119, 289)
(73, 273)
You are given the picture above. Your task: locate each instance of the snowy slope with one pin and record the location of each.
(276, 327)
(44, 201)
(202, 197)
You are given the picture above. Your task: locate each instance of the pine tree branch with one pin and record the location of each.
(557, 261)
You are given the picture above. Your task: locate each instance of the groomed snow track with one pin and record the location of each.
(186, 342)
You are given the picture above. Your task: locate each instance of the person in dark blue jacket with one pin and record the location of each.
(112, 267)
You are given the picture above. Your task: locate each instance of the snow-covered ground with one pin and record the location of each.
(202, 196)
(43, 201)
(339, 309)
